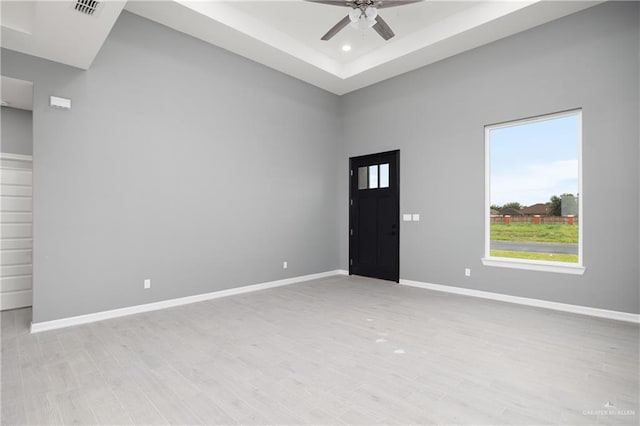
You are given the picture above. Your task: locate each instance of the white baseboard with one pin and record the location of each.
(129, 310)
(576, 309)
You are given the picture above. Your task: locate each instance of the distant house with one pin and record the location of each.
(511, 212)
(536, 209)
(494, 212)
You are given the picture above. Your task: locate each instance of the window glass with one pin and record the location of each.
(373, 177)
(384, 175)
(534, 189)
(362, 178)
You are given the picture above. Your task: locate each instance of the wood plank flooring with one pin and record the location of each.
(342, 350)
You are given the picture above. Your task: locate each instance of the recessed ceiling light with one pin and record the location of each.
(346, 47)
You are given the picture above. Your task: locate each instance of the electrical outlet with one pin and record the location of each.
(285, 265)
(467, 272)
(147, 283)
(415, 217)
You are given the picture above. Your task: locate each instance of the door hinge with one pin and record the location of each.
(351, 201)
(351, 232)
(351, 262)
(351, 172)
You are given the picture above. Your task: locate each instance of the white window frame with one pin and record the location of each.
(527, 264)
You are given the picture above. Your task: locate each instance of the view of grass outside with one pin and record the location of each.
(534, 188)
(539, 237)
(561, 234)
(553, 257)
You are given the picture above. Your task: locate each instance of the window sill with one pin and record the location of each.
(531, 265)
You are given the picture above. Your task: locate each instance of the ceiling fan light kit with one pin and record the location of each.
(363, 14)
(361, 20)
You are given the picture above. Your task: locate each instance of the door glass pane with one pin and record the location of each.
(373, 177)
(362, 178)
(384, 175)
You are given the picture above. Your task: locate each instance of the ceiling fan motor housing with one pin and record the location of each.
(363, 14)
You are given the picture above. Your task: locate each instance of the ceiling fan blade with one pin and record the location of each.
(393, 3)
(336, 28)
(333, 2)
(382, 28)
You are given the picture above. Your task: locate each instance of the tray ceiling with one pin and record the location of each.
(285, 35)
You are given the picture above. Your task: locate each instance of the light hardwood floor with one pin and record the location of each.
(343, 350)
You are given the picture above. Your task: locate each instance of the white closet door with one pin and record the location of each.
(16, 242)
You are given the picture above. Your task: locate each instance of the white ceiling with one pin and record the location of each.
(54, 30)
(16, 93)
(285, 35)
(309, 21)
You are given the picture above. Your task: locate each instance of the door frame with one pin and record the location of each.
(352, 173)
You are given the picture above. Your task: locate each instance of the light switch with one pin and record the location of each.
(406, 217)
(416, 217)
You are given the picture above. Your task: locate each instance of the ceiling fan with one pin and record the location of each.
(363, 14)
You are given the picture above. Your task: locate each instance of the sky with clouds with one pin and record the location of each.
(531, 162)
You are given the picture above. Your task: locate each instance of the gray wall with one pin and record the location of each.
(436, 115)
(17, 131)
(201, 170)
(179, 162)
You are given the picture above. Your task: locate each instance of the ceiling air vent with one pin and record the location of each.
(88, 7)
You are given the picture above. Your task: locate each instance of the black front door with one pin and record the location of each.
(374, 213)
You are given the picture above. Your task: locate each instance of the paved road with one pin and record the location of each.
(535, 247)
